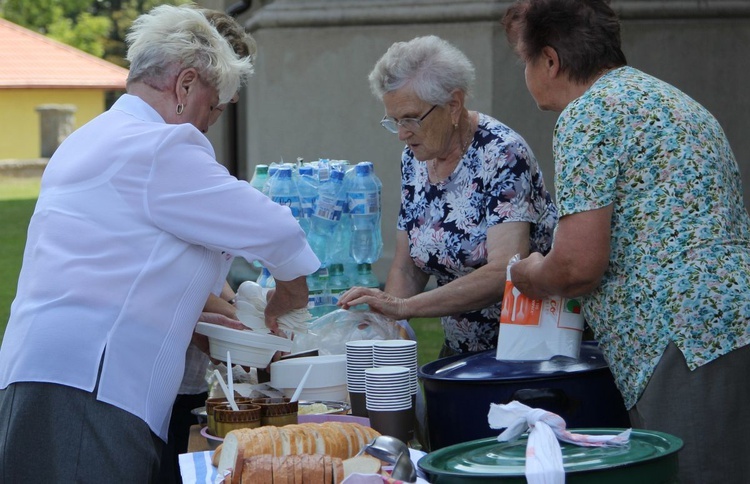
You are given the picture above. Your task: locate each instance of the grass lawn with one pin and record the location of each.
(17, 199)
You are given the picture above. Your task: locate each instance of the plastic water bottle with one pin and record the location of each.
(260, 176)
(283, 191)
(307, 186)
(338, 283)
(317, 299)
(340, 248)
(327, 214)
(379, 241)
(363, 199)
(273, 170)
(266, 279)
(365, 277)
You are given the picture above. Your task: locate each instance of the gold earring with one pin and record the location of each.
(180, 108)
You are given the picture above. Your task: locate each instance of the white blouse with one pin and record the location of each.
(127, 240)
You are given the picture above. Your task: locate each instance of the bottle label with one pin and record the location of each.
(308, 207)
(329, 208)
(289, 201)
(316, 300)
(363, 203)
(336, 295)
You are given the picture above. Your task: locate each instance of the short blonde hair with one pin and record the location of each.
(168, 39)
(431, 66)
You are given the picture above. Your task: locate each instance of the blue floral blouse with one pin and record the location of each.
(498, 180)
(679, 267)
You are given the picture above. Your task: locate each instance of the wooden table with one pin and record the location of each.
(197, 442)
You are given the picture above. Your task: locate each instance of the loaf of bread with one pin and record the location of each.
(341, 440)
(291, 469)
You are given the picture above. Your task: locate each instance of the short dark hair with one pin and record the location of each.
(584, 33)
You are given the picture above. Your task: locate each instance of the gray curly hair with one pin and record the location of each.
(431, 66)
(169, 39)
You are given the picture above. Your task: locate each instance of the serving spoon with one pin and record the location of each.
(385, 448)
(403, 469)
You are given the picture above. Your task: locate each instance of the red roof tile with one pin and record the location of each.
(31, 60)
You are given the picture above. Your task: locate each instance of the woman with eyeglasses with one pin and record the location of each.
(472, 196)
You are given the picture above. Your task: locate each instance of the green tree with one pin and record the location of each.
(94, 26)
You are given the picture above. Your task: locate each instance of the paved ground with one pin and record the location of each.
(32, 167)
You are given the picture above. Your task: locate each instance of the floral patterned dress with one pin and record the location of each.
(498, 180)
(679, 266)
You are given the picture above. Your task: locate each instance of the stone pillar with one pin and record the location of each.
(56, 122)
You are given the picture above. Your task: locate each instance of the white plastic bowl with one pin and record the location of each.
(327, 379)
(246, 347)
(338, 392)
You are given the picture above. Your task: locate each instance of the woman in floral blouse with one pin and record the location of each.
(472, 196)
(653, 230)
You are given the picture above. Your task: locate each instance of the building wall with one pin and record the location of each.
(20, 136)
(310, 97)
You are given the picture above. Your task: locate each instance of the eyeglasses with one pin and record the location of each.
(410, 124)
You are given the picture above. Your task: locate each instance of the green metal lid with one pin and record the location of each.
(650, 456)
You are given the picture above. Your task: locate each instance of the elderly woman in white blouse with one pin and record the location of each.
(134, 222)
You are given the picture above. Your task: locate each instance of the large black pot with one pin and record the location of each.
(458, 391)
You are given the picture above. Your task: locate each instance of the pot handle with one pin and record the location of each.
(533, 396)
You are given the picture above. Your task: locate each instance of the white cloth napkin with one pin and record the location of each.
(544, 463)
(196, 468)
(251, 304)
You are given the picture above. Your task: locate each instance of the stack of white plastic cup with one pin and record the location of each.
(397, 352)
(389, 401)
(358, 359)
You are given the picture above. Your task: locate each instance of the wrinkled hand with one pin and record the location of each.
(380, 302)
(201, 341)
(287, 296)
(520, 275)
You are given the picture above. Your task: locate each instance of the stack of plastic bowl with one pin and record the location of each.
(326, 381)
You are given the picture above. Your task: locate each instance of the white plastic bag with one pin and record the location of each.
(330, 332)
(533, 329)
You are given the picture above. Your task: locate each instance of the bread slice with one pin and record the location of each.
(315, 463)
(327, 469)
(307, 469)
(297, 471)
(280, 470)
(256, 470)
(338, 470)
(361, 464)
(216, 455)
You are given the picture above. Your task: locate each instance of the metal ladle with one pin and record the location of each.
(403, 469)
(385, 448)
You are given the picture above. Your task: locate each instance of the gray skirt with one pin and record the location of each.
(707, 408)
(58, 434)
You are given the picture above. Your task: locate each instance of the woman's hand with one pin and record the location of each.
(577, 262)
(285, 297)
(201, 341)
(380, 302)
(519, 275)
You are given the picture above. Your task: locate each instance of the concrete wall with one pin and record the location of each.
(310, 98)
